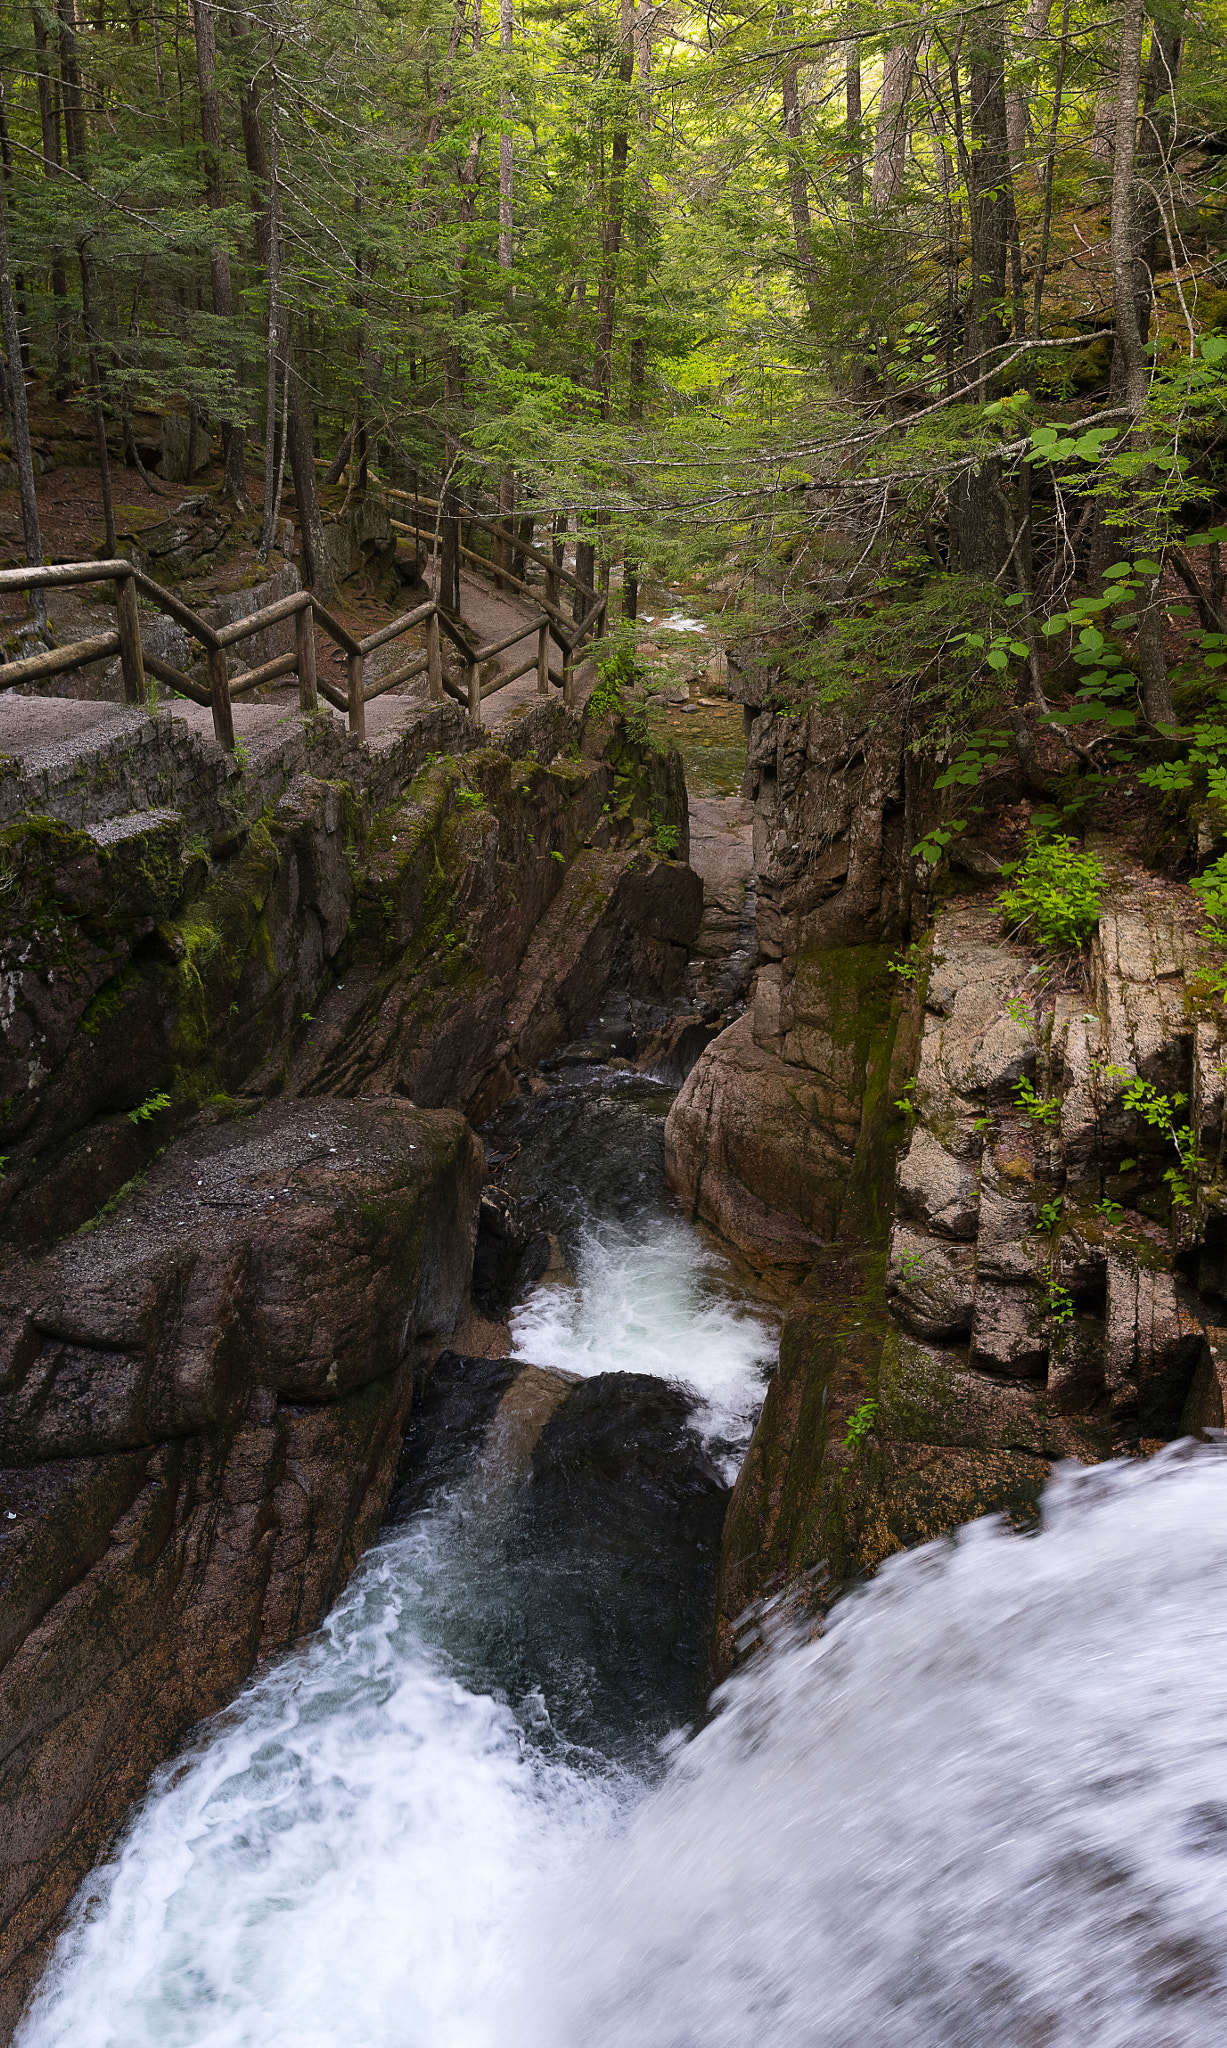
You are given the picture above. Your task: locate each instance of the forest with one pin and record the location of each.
(904, 330)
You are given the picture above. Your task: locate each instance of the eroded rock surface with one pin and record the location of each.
(777, 1134)
(202, 1402)
(1024, 1301)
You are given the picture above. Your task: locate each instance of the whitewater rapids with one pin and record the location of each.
(989, 1805)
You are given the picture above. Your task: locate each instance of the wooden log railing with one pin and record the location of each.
(307, 613)
(555, 572)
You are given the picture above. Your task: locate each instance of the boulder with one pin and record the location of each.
(202, 1402)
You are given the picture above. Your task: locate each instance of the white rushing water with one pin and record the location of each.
(988, 1806)
(650, 1296)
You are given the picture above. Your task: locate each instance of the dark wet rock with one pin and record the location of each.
(449, 1420)
(612, 1549)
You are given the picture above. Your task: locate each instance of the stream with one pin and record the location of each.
(988, 1804)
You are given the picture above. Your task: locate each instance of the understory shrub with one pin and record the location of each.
(1053, 896)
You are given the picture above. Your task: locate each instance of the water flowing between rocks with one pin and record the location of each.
(989, 1803)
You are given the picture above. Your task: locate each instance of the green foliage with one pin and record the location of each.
(860, 1425)
(1042, 1110)
(1158, 1111)
(1060, 1303)
(470, 799)
(933, 846)
(1050, 1212)
(1053, 897)
(910, 1264)
(152, 1106)
(668, 839)
(910, 968)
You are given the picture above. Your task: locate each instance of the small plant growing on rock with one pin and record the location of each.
(860, 1423)
(905, 1102)
(153, 1105)
(909, 966)
(1050, 1212)
(1060, 1303)
(1054, 895)
(1159, 1111)
(1043, 1110)
(910, 1264)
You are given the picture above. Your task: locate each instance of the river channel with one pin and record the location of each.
(988, 1804)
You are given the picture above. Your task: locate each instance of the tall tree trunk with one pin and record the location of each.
(506, 199)
(234, 481)
(990, 194)
(612, 213)
(798, 187)
(273, 268)
(638, 365)
(70, 75)
(317, 564)
(22, 450)
(1034, 27)
(856, 141)
(95, 378)
(611, 220)
(891, 133)
(1153, 146)
(980, 542)
(1129, 342)
(49, 121)
(1050, 164)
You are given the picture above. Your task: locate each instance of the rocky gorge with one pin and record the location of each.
(240, 1200)
(261, 1278)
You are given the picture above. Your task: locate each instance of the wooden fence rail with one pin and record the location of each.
(307, 613)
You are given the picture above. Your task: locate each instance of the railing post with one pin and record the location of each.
(434, 659)
(568, 677)
(474, 696)
(543, 658)
(551, 585)
(219, 697)
(357, 703)
(304, 650)
(130, 657)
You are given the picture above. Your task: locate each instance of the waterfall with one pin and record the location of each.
(987, 1805)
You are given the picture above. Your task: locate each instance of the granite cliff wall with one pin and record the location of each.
(979, 1288)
